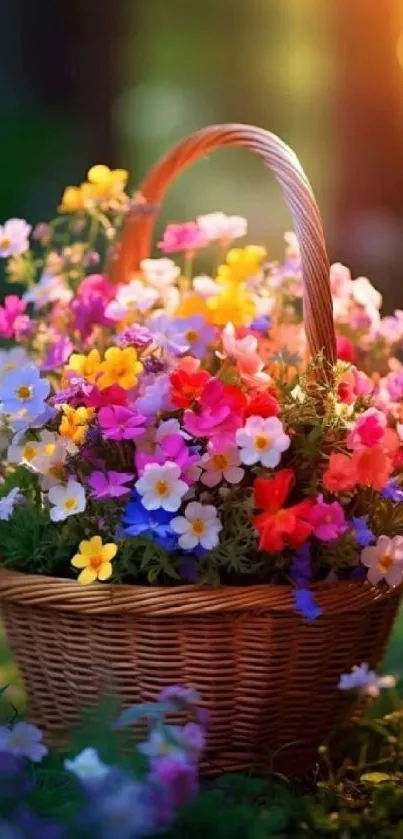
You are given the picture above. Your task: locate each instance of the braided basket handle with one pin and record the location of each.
(136, 237)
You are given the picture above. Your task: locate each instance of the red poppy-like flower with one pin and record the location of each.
(186, 387)
(279, 526)
(263, 405)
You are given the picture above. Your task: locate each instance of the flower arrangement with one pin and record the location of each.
(165, 430)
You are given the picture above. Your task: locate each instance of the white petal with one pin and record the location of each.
(209, 539)
(270, 458)
(171, 503)
(188, 541)
(233, 474)
(179, 524)
(249, 456)
(194, 510)
(243, 438)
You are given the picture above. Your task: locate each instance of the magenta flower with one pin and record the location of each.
(58, 352)
(172, 448)
(120, 423)
(96, 284)
(217, 417)
(182, 237)
(89, 311)
(368, 429)
(12, 317)
(328, 520)
(109, 484)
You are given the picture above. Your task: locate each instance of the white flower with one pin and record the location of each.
(8, 502)
(199, 526)
(160, 273)
(291, 246)
(205, 286)
(51, 458)
(384, 560)
(168, 427)
(67, 500)
(12, 360)
(219, 226)
(298, 394)
(262, 441)
(49, 289)
(160, 486)
(158, 745)
(24, 454)
(87, 766)
(14, 237)
(23, 740)
(364, 293)
(221, 465)
(365, 681)
(134, 296)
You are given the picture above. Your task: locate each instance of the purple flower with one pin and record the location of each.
(392, 491)
(261, 324)
(197, 333)
(120, 423)
(180, 694)
(135, 336)
(33, 827)
(23, 740)
(123, 809)
(363, 535)
(301, 569)
(168, 335)
(57, 354)
(304, 602)
(14, 780)
(153, 365)
(109, 484)
(178, 776)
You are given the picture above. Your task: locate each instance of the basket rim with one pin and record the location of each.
(158, 601)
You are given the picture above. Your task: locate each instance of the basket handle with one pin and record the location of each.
(135, 241)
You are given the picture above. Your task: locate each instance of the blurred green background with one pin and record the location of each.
(120, 82)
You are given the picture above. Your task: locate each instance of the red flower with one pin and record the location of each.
(279, 526)
(186, 387)
(340, 475)
(235, 399)
(263, 405)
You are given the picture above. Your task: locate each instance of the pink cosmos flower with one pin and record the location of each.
(182, 237)
(120, 423)
(217, 417)
(368, 429)
(12, 317)
(328, 520)
(96, 284)
(109, 484)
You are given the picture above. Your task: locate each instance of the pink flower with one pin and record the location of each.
(244, 352)
(384, 560)
(328, 520)
(345, 349)
(221, 463)
(96, 284)
(120, 423)
(368, 429)
(172, 448)
(223, 228)
(182, 237)
(12, 317)
(217, 417)
(109, 484)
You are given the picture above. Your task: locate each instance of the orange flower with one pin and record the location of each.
(340, 475)
(372, 467)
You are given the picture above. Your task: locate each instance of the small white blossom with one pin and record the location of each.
(199, 526)
(8, 503)
(87, 766)
(262, 441)
(161, 486)
(66, 500)
(365, 681)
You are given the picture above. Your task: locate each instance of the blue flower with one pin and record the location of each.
(196, 332)
(24, 390)
(301, 569)
(155, 524)
(363, 535)
(167, 334)
(304, 602)
(261, 324)
(392, 491)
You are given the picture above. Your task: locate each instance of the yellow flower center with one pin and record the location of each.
(262, 442)
(162, 488)
(28, 453)
(198, 527)
(191, 335)
(70, 503)
(5, 242)
(220, 461)
(11, 365)
(50, 449)
(24, 392)
(385, 563)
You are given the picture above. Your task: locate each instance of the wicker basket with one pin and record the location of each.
(268, 679)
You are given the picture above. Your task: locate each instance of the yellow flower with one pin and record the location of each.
(74, 423)
(119, 368)
(72, 200)
(233, 305)
(94, 559)
(106, 182)
(86, 365)
(241, 263)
